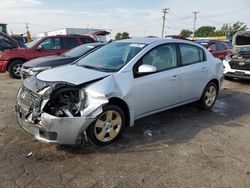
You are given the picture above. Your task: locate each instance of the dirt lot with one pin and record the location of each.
(188, 148)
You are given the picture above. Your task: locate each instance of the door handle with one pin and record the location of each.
(174, 77)
(204, 69)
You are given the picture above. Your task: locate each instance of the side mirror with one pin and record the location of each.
(144, 69)
(210, 49)
(39, 48)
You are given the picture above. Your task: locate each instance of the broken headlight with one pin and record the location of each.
(228, 58)
(46, 92)
(66, 101)
(39, 69)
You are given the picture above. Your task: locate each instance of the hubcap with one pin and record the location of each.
(108, 126)
(17, 69)
(210, 95)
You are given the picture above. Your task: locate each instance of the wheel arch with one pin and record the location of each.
(124, 106)
(13, 59)
(216, 82)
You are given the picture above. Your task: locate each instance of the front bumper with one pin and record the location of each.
(55, 130)
(3, 65)
(235, 73)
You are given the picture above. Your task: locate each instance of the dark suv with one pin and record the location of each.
(12, 60)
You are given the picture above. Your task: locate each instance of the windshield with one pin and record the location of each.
(32, 43)
(81, 50)
(5, 45)
(111, 57)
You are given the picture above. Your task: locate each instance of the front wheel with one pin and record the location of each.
(15, 67)
(107, 127)
(209, 96)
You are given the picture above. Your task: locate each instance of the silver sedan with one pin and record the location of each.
(108, 89)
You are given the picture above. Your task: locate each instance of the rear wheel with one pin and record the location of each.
(14, 68)
(209, 96)
(108, 126)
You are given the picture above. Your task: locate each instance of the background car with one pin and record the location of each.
(43, 63)
(218, 48)
(13, 60)
(237, 65)
(7, 42)
(110, 88)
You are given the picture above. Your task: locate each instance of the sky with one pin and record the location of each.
(137, 17)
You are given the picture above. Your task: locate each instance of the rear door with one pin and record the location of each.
(194, 71)
(68, 43)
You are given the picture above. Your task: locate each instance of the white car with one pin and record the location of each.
(110, 88)
(237, 65)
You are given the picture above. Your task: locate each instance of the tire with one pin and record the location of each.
(228, 78)
(107, 127)
(209, 96)
(14, 68)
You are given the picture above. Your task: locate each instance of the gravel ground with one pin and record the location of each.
(188, 148)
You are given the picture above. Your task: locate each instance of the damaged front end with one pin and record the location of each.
(57, 112)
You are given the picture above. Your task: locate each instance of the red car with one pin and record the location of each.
(12, 60)
(219, 49)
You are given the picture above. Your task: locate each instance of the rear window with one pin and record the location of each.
(69, 42)
(242, 40)
(221, 46)
(87, 40)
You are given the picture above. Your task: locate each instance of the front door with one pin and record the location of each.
(155, 91)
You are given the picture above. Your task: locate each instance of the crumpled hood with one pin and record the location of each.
(72, 74)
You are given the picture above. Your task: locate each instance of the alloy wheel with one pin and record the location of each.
(108, 126)
(210, 95)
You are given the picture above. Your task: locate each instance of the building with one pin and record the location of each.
(98, 34)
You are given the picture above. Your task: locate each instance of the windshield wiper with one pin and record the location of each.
(97, 68)
(87, 66)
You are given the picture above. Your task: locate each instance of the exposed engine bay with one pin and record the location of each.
(65, 102)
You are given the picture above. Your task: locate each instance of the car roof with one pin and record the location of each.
(150, 40)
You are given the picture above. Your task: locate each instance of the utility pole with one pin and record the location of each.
(165, 11)
(195, 18)
(27, 27)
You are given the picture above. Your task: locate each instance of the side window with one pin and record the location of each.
(191, 54)
(220, 46)
(163, 57)
(212, 46)
(69, 42)
(51, 44)
(87, 40)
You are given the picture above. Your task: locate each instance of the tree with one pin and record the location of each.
(205, 31)
(118, 36)
(186, 33)
(123, 35)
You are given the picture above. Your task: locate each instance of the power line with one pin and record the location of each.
(165, 11)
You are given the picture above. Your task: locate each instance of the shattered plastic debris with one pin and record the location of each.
(29, 154)
(148, 133)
